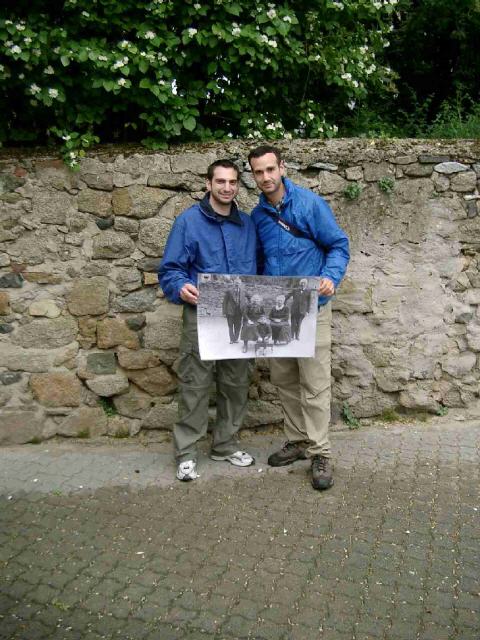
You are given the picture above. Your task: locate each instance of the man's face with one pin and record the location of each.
(268, 174)
(223, 187)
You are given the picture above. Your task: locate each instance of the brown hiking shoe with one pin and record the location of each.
(322, 473)
(290, 452)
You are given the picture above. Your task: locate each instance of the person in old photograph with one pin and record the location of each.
(211, 236)
(233, 304)
(299, 236)
(252, 312)
(300, 306)
(280, 321)
(264, 334)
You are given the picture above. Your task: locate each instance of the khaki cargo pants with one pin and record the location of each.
(304, 390)
(195, 379)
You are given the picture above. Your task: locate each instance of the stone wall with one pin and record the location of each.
(88, 344)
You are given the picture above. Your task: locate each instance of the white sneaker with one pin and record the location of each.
(238, 459)
(187, 470)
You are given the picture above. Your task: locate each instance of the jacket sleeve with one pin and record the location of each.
(174, 270)
(332, 238)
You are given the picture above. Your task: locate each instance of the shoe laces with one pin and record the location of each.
(320, 463)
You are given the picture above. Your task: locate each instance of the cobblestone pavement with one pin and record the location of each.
(99, 541)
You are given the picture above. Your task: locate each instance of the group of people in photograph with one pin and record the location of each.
(290, 232)
(250, 321)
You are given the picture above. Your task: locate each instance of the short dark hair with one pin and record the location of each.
(226, 163)
(263, 150)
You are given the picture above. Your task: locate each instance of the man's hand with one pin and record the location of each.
(189, 293)
(326, 287)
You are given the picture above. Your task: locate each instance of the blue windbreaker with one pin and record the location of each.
(201, 242)
(282, 254)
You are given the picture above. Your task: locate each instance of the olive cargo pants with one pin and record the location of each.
(195, 379)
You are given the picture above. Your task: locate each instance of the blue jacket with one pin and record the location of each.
(202, 242)
(282, 254)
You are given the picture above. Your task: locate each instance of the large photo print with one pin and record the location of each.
(256, 316)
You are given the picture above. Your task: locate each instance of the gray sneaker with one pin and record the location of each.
(187, 470)
(290, 452)
(322, 473)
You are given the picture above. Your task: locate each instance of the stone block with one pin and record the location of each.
(89, 296)
(4, 303)
(45, 308)
(186, 181)
(41, 277)
(140, 359)
(163, 328)
(5, 328)
(460, 364)
(354, 173)
(32, 360)
(119, 426)
(11, 281)
(128, 225)
(96, 202)
(108, 385)
(138, 201)
(403, 160)
(192, 161)
(429, 158)
(56, 389)
(19, 426)
(135, 323)
(149, 264)
(463, 182)
(9, 377)
(101, 181)
(133, 404)
(150, 279)
(128, 279)
(417, 398)
(330, 183)
(373, 171)
(418, 170)
(153, 235)
(112, 332)
(105, 223)
(91, 421)
(136, 302)
(261, 413)
(112, 245)
(157, 381)
(46, 333)
(52, 207)
(161, 416)
(102, 362)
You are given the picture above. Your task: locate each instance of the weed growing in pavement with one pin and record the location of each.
(350, 420)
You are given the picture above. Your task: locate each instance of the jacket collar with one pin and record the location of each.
(207, 209)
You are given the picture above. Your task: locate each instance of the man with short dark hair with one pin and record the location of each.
(212, 236)
(300, 306)
(299, 236)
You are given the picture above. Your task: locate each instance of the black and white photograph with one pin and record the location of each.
(256, 316)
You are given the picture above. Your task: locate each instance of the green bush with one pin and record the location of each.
(166, 71)
(352, 191)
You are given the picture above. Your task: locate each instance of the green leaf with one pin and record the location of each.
(65, 61)
(190, 123)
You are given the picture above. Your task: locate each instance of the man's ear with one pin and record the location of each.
(208, 185)
(282, 167)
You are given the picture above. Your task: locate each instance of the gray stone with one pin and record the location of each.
(4, 260)
(135, 323)
(20, 426)
(128, 279)
(8, 377)
(102, 181)
(149, 264)
(441, 182)
(139, 359)
(186, 181)
(33, 360)
(324, 166)
(11, 281)
(403, 160)
(101, 362)
(463, 182)
(52, 207)
(133, 404)
(450, 167)
(262, 413)
(128, 225)
(418, 170)
(46, 308)
(472, 296)
(153, 235)
(137, 301)
(98, 203)
(374, 171)
(418, 399)
(5, 328)
(162, 330)
(85, 421)
(89, 296)
(138, 201)
(105, 223)
(4, 303)
(46, 333)
(354, 173)
(156, 380)
(119, 426)
(472, 209)
(460, 364)
(108, 385)
(473, 337)
(112, 245)
(192, 161)
(161, 416)
(112, 332)
(330, 183)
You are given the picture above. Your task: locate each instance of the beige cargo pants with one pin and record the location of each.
(304, 390)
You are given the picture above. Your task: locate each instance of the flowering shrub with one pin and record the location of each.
(167, 70)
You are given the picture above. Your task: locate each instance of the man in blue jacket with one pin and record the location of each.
(299, 236)
(212, 236)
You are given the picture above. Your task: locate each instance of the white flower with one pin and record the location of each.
(27, 40)
(124, 44)
(36, 52)
(49, 70)
(272, 14)
(339, 5)
(56, 50)
(355, 83)
(122, 82)
(67, 137)
(16, 49)
(149, 35)
(287, 19)
(192, 32)
(386, 43)
(2, 68)
(20, 27)
(377, 5)
(162, 57)
(346, 76)
(103, 58)
(197, 6)
(8, 43)
(174, 87)
(53, 93)
(273, 43)
(85, 14)
(236, 31)
(8, 22)
(351, 104)
(72, 154)
(264, 38)
(267, 60)
(34, 88)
